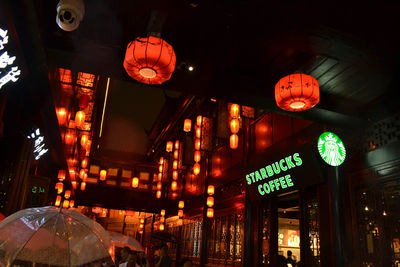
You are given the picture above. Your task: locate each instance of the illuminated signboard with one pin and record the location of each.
(39, 146)
(276, 176)
(331, 149)
(8, 72)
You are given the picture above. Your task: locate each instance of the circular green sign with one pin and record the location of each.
(331, 149)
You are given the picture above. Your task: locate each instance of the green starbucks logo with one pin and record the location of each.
(331, 149)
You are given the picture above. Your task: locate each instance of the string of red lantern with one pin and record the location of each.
(234, 125)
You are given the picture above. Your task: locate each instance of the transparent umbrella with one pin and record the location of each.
(52, 236)
(124, 240)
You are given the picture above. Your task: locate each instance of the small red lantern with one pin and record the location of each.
(181, 204)
(61, 115)
(65, 204)
(160, 168)
(58, 201)
(79, 119)
(234, 125)
(176, 154)
(196, 168)
(162, 219)
(180, 222)
(199, 119)
(84, 139)
(84, 163)
(180, 213)
(197, 144)
(175, 165)
(67, 194)
(158, 195)
(74, 184)
(71, 203)
(210, 201)
(197, 156)
(161, 160)
(175, 175)
(150, 60)
(59, 187)
(161, 227)
(61, 175)
(234, 141)
(159, 185)
(103, 175)
(82, 174)
(162, 212)
(297, 92)
(174, 185)
(187, 125)
(210, 190)
(177, 144)
(234, 111)
(198, 132)
(69, 138)
(169, 146)
(84, 101)
(135, 182)
(83, 186)
(210, 212)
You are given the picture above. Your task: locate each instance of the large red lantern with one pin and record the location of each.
(297, 92)
(150, 60)
(234, 141)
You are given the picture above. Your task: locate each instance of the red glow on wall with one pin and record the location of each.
(297, 92)
(150, 60)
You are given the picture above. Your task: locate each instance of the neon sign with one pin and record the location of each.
(277, 168)
(8, 73)
(331, 149)
(39, 147)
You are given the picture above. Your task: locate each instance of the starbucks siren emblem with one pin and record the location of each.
(331, 149)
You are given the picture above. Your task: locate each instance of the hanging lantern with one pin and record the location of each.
(65, 204)
(59, 187)
(150, 60)
(71, 203)
(176, 154)
(84, 101)
(61, 175)
(160, 176)
(197, 144)
(175, 175)
(198, 132)
(88, 145)
(210, 201)
(159, 186)
(69, 138)
(177, 144)
(61, 115)
(161, 160)
(84, 139)
(83, 186)
(234, 141)
(67, 194)
(197, 156)
(103, 175)
(141, 226)
(180, 213)
(196, 168)
(160, 168)
(234, 125)
(161, 227)
(234, 112)
(162, 220)
(74, 184)
(169, 146)
(199, 119)
(84, 177)
(97, 210)
(79, 119)
(175, 165)
(84, 163)
(297, 92)
(158, 194)
(180, 222)
(82, 174)
(181, 204)
(210, 212)
(58, 201)
(187, 125)
(162, 213)
(174, 185)
(135, 182)
(210, 190)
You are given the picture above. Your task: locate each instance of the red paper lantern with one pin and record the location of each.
(196, 168)
(61, 175)
(234, 111)
(74, 184)
(180, 222)
(72, 203)
(210, 212)
(69, 138)
(234, 141)
(181, 204)
(83, 186)
(158, 195)
(197, 144)
(187, 125)
(67, 194)
(61, 115)
(150, 60)
(82, 174)
(79, 119)
(84, 163)
(58, 201)
(210, 190)
(234, 125)
(135, 182)
(84, 101)
(161, 160)
(59, 187)
(297, 92)
(103, 175)
(175, 164)
(174, 185)
(162, 212)
(177, 144)
(161, 227)
(198, 132)
(84, 139)
(159, 185)
(175, 175)
(65, 204)
(199, 119)
(180, 213)
(176, 154)
(169, 146)
(210, 201)
(197, 156)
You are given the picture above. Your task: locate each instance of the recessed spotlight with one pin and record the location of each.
(190, 68)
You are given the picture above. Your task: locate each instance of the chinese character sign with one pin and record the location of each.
(8, 72)
(331, 149)
(39, 146)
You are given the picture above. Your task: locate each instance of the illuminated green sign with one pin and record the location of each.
(331, 149)
(269, 175)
